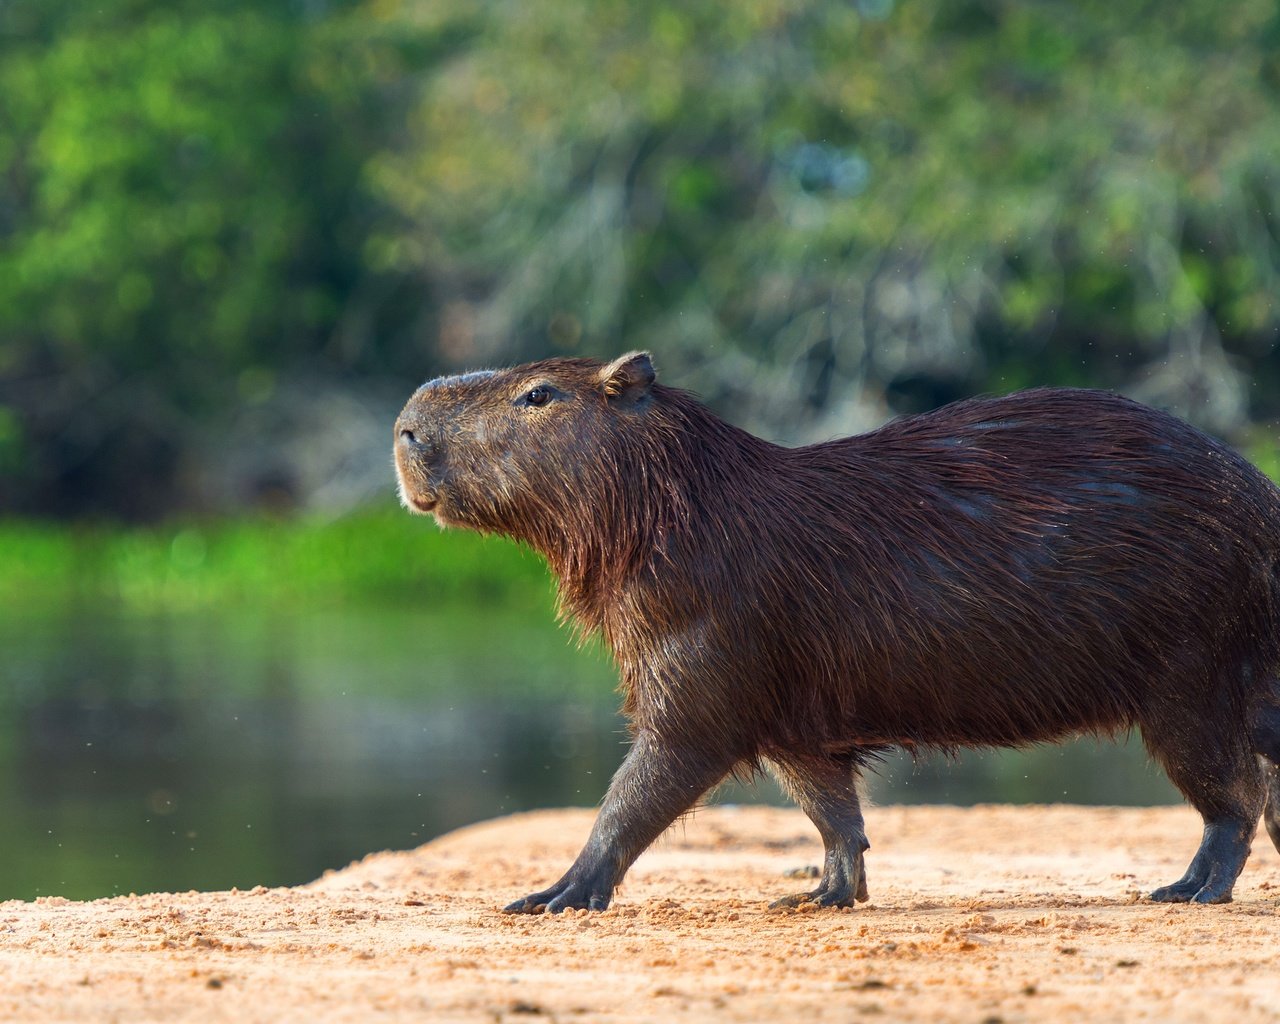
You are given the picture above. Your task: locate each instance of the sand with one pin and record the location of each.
(978, 914)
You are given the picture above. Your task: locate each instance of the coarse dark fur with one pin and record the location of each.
(995, 573)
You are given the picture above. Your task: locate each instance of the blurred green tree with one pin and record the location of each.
(801, 204)
(816, 212)
(181, 218)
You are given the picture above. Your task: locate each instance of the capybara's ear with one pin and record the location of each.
(628, 377)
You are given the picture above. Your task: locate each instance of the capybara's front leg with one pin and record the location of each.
(656, 783)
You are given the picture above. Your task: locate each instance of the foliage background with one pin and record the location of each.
(233, 235)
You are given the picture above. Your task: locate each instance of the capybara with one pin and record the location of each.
(995, 573)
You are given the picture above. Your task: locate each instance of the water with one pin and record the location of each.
(265, 746)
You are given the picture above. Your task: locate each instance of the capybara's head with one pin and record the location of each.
(502, 450)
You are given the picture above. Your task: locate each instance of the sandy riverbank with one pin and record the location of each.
(979, 914)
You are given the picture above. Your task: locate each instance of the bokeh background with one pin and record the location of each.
(235, 235)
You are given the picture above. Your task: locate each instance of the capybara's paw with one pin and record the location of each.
(843, 883)
(1179, 892)
(826, 895)
(1212, 894)
(562, 896)
(1193, 892)
(818, 897)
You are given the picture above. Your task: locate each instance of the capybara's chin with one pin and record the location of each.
(411, 483)
(418, 504)
(998, 572)
(423, 504)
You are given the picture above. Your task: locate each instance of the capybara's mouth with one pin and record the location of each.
(414, 500)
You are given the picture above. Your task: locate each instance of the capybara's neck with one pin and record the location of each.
(674, 471)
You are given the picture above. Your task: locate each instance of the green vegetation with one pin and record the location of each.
(381, 556)
(1264, 452)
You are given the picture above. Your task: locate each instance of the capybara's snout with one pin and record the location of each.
(416, 442)
(417, 454)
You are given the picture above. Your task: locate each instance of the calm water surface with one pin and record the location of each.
(264, 746)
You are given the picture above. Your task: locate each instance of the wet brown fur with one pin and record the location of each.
(999, 572)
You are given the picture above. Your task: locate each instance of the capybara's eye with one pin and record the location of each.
(538, 396)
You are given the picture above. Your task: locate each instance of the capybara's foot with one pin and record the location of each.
(1179, 892)
(1215, 867)
(839, 891)
(1192, 892)
(563, 895)
(819, 897)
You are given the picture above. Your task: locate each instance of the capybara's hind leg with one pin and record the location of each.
(1266, 741)
(1223, 781)
(826, 790)
(1271, 816)
(1213, 871)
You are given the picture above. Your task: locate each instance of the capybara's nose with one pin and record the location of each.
(418, 441)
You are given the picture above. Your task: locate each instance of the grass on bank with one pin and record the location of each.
(380, 554)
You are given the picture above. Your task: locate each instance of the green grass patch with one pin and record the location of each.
(377, 555)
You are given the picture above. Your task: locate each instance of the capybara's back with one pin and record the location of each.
(1006, 570)
(998, 572)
